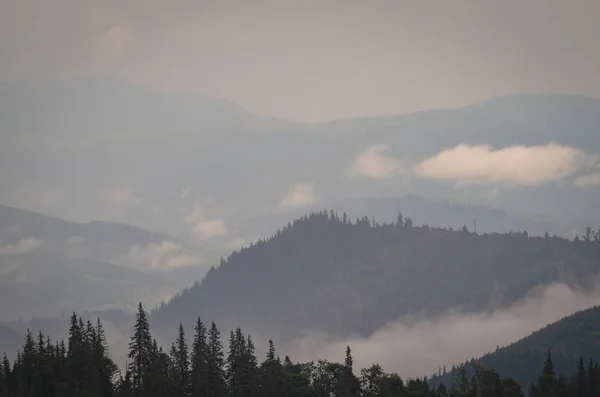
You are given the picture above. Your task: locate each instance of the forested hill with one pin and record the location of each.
(568, 339)
(325, 272)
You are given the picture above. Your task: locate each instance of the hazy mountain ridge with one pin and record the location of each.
(17, 224)
(207, 137)
(49, 266)
(502, 121)
(322, 273)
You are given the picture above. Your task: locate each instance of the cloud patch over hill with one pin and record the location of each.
(163, 256)
(299, 196)
(374, 163)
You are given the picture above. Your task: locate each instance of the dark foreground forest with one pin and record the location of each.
(82, 367)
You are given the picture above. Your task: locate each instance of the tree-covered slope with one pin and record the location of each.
(568, 339)
(326, 273)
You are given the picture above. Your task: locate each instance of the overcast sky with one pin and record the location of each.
(312, 60)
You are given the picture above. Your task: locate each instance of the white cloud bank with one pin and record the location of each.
(24, 246)
(299, 196)
(163, 256)
(419, 346)
(511, 166)
(373, 163)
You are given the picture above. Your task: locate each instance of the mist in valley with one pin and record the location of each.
(416, 180)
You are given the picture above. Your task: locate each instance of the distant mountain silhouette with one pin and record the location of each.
(159, 142)
(49, 266)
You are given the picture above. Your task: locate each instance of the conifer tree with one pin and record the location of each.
(349, 361)
(581, 378)
(139, 351)
(250, 365)
(216, 364)
(199, 361)
(3, 379)
(548, 366)
(181, 365)
(273, 379)
(75, 355)
(234, 367)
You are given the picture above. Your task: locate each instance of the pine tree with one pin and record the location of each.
(234, 367)
(548, 366)
(75, 355)
(216, 364)
(199, 361)
(271, 353)
(272, 377)
(250, 364)
(139, 351)
(349, 361)
(349, 385)
(4, 378)
(581, 378)
(181, 363)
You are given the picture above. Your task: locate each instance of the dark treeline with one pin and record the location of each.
(82, 367)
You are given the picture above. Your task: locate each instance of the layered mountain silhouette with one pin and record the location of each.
(158, 142)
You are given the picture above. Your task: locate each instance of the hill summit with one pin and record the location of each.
(325, 272)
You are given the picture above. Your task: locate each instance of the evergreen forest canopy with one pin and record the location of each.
(83, 367)
(360, 275)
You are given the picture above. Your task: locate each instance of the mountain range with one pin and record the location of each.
(197, 167)
(50, 266)
(213, 177)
